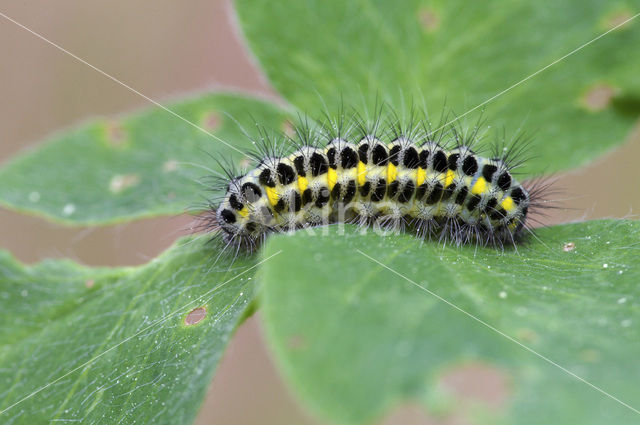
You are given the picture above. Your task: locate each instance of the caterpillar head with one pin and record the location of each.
(240, 216)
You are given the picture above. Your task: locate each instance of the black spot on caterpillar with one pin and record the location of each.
(399, 176)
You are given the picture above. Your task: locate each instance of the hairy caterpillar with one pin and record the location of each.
(400, 176)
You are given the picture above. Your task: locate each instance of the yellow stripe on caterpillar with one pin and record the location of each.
(421, 176)
(362, 173)
(508, 204)
(332, 178)
(392, 173)
(272, 194)
(479, 187)
(303, 183)
(449, 178)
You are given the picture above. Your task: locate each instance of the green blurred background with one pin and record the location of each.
(165, 49)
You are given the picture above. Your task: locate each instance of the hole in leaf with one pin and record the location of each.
(478, 383)
(598, 97)
(120, 182)
(195, 316)
(409, 414)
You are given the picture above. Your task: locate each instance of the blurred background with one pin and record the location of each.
(166, 49)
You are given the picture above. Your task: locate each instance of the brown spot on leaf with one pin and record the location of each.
(429, 19)
(120, 182)
(212, 121)
(527, 336)
(478, 383)
(617, 20)
(89, 283)
(598, 97)
(568, 247)
(590, 356)
(170, 165)
(115, 134)
(195, 316)
(171, 195)
(296, 342)
(412, 414)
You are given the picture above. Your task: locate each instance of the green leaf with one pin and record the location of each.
(147, 164)
(113, 345)
(462, 53)
(355, 339)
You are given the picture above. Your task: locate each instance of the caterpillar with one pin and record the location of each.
(399, 176)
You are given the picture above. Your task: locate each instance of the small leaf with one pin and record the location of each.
(461, 53)
(128, 345)
(355, 338)
(148, 164)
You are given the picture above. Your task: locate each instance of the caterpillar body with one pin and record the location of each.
(433, 185)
